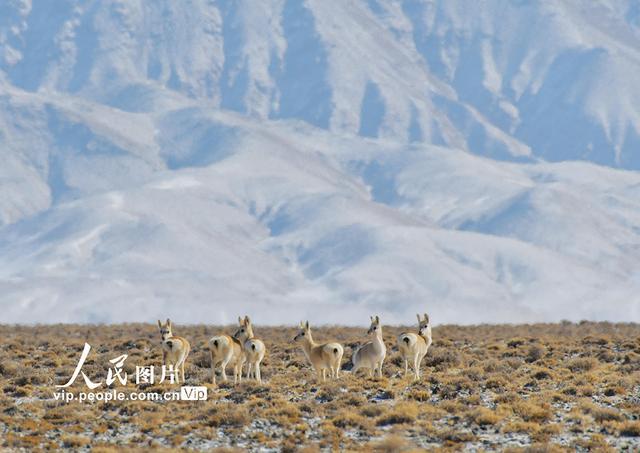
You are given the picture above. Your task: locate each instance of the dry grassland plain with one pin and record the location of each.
(539, 387)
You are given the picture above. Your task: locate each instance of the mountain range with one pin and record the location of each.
(329, 160)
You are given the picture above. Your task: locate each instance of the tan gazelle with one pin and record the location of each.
(226, 350)
(174, 350)
(322, 356)
(371, 354)
(252, 348)
(413, 347)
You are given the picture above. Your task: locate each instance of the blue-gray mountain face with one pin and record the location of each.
(324, 159)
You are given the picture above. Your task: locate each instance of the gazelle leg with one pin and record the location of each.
(324, 376)
(406, 367)
(224, 370)
(249, 370)
(416, 367)
(213, 370)
(176, 372)
(258, 377)
(420, 363)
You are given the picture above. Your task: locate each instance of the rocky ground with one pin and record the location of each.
(528, 387)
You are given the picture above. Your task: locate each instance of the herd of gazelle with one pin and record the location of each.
(243, 347)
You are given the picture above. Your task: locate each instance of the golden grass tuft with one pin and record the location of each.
(69, 441)
(403, 412)
(629, 429)
(531, 411)
(483, 416)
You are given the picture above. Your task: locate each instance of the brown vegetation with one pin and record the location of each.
(540, 387)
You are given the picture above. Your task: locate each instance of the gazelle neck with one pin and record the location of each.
(249, 333)
(378, 339)
(308, 344)
(248, 336)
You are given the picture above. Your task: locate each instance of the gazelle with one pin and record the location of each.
(371, 354)
(252, 348)
(321, 356)
(226, 350)
(174, 349)
(413, 347)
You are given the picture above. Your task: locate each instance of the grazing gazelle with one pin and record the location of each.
(174, 350)
(252, 348)
(321, 356)
(371, 354)
(413, 347)
(226, 350)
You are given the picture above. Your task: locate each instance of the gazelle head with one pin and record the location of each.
(375, 326)
(423, 324)
(165, 329)
(245, 330)
(304, 332)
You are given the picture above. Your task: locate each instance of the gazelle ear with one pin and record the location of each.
(168, 322)
(371, 318)
(246, 319)
(418, 316)
(426, 318)
(377, 319)
(306, 325)
(301, 325)
(159, 324)
(240, 320)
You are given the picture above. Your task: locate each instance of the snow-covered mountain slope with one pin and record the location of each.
(505, 79)
(319, 159)
(203, 214)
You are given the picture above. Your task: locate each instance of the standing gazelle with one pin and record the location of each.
(371, 354)
(174, 350)
(321, 356)
(413, 347)
(253, 348)
(226, 350)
